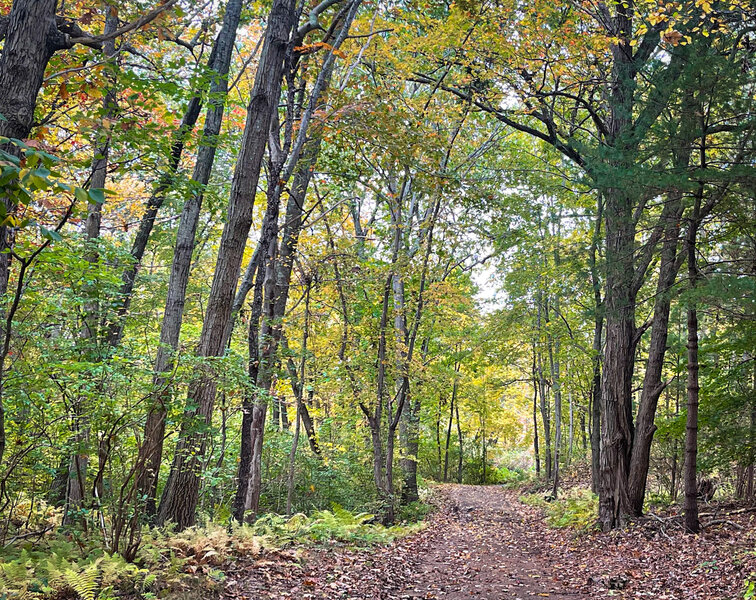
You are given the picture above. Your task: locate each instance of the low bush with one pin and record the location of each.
(336, 525)
(577, 508)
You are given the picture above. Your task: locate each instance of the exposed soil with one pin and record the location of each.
(486, 548)
(484, 543)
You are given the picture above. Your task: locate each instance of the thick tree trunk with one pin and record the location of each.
(181, 495)
(24, 57)
(27, 48)
(151, 451)
(616, 408)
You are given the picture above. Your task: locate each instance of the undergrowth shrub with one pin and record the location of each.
(187, 564)
(336, 525)
(576, 508)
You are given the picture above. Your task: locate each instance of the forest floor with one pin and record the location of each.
(483, 542)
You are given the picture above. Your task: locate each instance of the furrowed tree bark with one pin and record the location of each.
(616, 387)
(24, 57)
(180, 497)
(151, 451)
(619, 297)
(596, 348)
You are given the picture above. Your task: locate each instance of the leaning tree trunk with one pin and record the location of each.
(670, 262)
(151, 451)
(180, 498)
(278, 267)
(652, 380)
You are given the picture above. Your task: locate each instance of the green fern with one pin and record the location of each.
(84, 582)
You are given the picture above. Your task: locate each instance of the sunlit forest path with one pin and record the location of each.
(481, 543)
(489, 547)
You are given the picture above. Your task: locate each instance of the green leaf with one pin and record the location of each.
(97, 195)
(50, 234)
(81, 194)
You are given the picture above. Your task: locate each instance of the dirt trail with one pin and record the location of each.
(487, 548)
(481, 544)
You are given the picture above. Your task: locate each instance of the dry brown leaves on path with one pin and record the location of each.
(484, 543)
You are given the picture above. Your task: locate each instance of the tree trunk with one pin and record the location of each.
(616, 405)
(302, 365)
(24, 57)
(151, 451)
(556, 378)
(459, 437)
(302, 158)
(536, 449)
(453, 403)
(692, 524)
(571, 433)
(89, 333)
(596, 348)
(181, 495)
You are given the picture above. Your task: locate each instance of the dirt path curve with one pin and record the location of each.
(486, 548)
